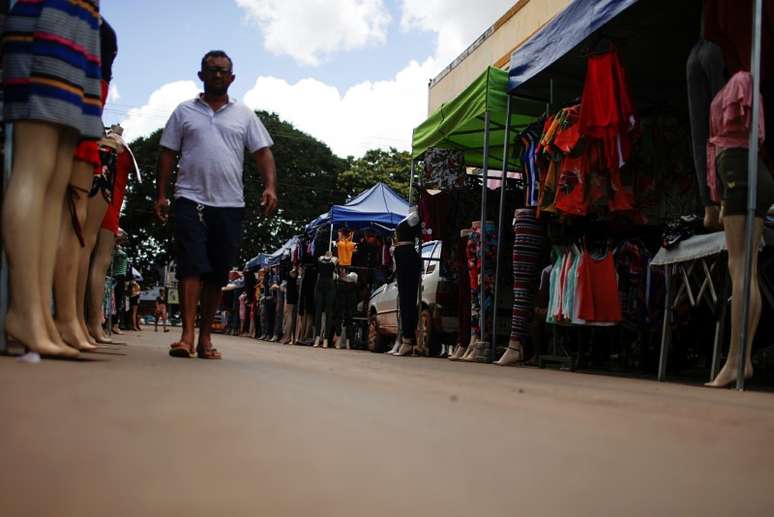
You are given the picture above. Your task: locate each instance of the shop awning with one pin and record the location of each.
(459, 123)
(568, 29)
(377, 206)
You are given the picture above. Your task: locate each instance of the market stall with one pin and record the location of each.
(615, 72)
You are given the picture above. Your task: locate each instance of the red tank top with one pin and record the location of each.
(597, 290)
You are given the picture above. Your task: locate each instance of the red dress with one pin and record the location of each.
(608, 114)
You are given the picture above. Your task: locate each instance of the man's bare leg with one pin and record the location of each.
(211, 295)
(191, 290)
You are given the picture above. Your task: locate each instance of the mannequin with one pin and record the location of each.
(291, 302)
(307, 305)
(279, 307)
(346, 298)
(87, 172)
(43, 155)
(481, 306)
(463, 300)
(408, 267)
(44, 143)
(728, 142)
(98, 203)
(108, 233)
(324, 299)
(528, 243)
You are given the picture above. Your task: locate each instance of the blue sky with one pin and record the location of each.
(353, 73)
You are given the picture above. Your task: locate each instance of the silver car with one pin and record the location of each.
(437, 319)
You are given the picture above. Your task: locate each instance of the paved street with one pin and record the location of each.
(278, 431)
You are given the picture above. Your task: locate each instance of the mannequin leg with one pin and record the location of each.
(734, 227)
(100, 263)
(319, 301)
(95, 212)
(68, 258)
(42, 164)
(330, 304)
(528, 245)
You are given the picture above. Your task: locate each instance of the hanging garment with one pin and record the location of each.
(632, 261)
(482, 304)
(344, 248)
(463, 292)
(598, 299)
(434, 209)
(110, 221)
(568, 134)
(528, 243)
(572, 191)
(728, 23)
(555, 286)
(51, 64)
(444, 169)
(607, 114)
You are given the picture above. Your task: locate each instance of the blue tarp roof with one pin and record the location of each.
(276, 257)
(568, 29)
(377, 206)
(257, 262)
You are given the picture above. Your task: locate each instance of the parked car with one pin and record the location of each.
(437, 318)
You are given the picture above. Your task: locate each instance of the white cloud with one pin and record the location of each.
(113, 93)
(311, 30)
(457, 22)
(145, 120)
(369, 115)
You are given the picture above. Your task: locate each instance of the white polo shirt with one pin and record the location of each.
(212, 150)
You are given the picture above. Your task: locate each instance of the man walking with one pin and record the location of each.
(210, 135)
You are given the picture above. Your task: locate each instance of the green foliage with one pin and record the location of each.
(306, 176)
(392, 168)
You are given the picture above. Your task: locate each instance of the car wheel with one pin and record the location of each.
(425, 332)
(375, 339)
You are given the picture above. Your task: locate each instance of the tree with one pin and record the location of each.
(307, 173)
(392, 168)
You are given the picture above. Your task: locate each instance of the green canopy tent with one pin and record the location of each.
(461, 123)
(476, 122)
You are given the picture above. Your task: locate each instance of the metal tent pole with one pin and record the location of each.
(752, 186)
(330, 240)
(500, 225)
(411, 183)
(482, 262)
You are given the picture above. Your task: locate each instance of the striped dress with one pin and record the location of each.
(51, 64)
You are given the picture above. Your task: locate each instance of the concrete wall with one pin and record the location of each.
(494, 47)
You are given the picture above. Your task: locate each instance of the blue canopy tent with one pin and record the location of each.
(567, 30)
(256, 262)
(276, 257)
(379, 206)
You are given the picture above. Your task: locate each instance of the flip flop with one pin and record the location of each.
(182, 350)
(208, 353)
